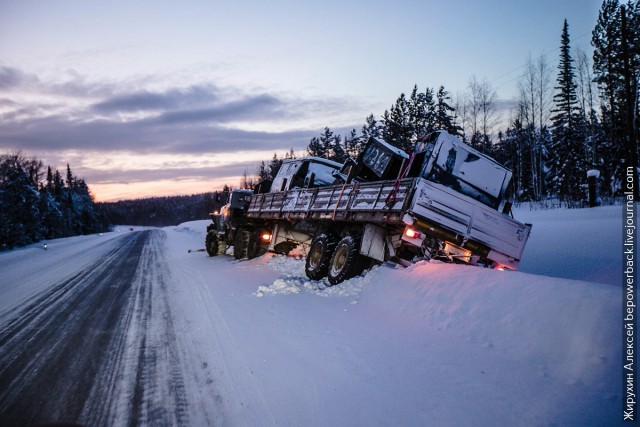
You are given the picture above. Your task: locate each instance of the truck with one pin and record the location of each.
(444, 201)
(250, 236)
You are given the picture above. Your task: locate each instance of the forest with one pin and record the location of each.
(35, 206)
(579, 119)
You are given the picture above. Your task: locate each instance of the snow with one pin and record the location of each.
(432, 344)
(581, 244)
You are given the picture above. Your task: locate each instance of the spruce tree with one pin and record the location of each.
(398, 129)
(371, 128)
(567, 167)
(443, 114)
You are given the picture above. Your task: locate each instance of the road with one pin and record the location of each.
(89, 347)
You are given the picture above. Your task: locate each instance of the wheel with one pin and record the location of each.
(222, 246)
(346, 261)
(211, 243)
(319, 256)
(241, 244)
(257, 246)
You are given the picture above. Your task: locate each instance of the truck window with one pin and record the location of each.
(467, 173)
(323, 174)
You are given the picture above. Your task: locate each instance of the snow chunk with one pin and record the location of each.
(295, 280)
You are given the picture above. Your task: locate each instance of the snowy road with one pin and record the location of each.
(90, 354)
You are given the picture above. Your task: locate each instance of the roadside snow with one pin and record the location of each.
(433, 344)
(581, 244)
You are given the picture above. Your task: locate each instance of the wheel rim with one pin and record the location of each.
(339, 259)
(315, 256)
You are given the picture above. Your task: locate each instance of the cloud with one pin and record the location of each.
(170, 173)
(57, 133)
(146, 100)
(91, 124)
(260, 107)
(198, 118)
(13, 78)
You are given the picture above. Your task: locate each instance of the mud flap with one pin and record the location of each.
(373, 243)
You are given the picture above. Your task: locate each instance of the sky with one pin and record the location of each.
(152, 98)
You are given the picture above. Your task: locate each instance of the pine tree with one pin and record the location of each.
(607, 68)
(316, 148)
(371, 128)
(328, 146)
(422, 113)
(398, 129)
(567, 168)
(443, 114)
(274, 166)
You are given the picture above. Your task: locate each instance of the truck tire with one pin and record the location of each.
(257, 247)
(319, 256)
(211, 243)
(346, 261)
(241, 244)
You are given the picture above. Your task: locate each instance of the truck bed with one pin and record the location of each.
(444, 206)
(351, 202)
(423, 200)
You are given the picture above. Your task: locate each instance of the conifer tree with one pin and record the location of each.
(371, 128)
(443, 114)
(398, 129)
(567, 166)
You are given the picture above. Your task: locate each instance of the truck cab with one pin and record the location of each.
(304, 172)
(452, 163)
(440, 158)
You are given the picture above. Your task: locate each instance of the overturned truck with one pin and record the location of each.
(445, 201)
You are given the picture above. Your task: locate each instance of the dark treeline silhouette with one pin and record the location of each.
(163, 211)
(35, 206)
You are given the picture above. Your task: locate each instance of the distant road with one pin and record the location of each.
(97, 347)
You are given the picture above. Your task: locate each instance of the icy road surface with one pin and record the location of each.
(129, 328)
(96, 344)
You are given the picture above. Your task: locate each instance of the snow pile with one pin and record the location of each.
(295, 281)
(582, 244)
(442, 344)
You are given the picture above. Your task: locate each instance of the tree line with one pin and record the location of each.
(164, 211)
(36, 206)
(556, 133)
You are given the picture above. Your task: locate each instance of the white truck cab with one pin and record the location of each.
(304, 172)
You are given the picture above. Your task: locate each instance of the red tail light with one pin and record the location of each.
(411, 233)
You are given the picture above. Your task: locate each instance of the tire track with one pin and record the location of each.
(97, 348)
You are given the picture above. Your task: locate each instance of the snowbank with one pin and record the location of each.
(433, 344)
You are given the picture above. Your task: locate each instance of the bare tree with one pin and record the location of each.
(533, 112)
(544, 90)
(482, 112)
(584, 80)
(460, 104)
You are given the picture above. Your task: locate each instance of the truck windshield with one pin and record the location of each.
(323, 174)
(468, 173)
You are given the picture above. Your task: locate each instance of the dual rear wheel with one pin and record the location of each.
(248, 244)
(338, 260)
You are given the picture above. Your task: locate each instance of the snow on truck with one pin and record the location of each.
(444, 201)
